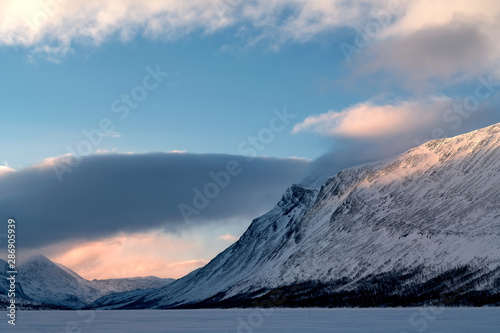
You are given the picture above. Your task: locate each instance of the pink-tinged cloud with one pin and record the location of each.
(131, 255)
(229, 238)
(5, 169)
(367, 120)
(30, 23)
(422, 14)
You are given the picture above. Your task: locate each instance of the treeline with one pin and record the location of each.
(457, 286)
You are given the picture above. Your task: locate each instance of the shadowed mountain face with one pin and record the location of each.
(403, 231)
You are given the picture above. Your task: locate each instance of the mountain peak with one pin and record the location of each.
(48, 282)
(38, 258)
(426, 219)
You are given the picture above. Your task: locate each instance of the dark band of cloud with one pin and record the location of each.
(107, 194)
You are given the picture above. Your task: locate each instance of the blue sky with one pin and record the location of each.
(211, 101)
(363, 79)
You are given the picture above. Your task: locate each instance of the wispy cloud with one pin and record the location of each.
(426, 38)
(135, 254)
(375, 130)
(432, 44)
(6, 169)
(229, 238)
(52, 26)
(369, 120)
(442, 55)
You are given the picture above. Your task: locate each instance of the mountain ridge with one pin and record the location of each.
(42, 283)
(425, 217)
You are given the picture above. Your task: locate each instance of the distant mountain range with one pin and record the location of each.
(420, 228)
(42, 283)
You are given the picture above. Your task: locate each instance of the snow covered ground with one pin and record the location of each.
(463, 320)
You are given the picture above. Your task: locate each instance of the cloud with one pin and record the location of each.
(346, 153)
(52, 26)
(423, 39)
(448, 53)
(4, 169)
(136, 254)
(229, 238)
(112, 135)
(111, 193)
(368, 120)
(430, 44)
(370, 131)
(421, 14)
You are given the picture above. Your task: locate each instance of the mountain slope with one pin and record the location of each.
(46, 282)
(42, 283)
(4, 284)
(398, 231)
(128, 284)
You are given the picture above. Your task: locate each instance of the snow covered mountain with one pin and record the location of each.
(127, 284)
(4, 284)
(401, 231)
(46, 282)
(41, 281)
(21, 298)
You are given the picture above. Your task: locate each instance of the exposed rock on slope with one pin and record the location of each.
(398, 231)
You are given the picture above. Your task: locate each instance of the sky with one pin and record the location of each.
(143, 137)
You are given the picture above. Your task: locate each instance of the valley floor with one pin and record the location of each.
(456, 320)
